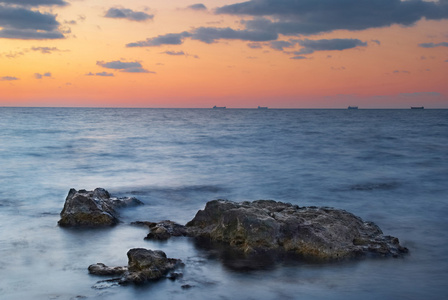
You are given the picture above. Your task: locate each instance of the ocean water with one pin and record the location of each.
(386, 166)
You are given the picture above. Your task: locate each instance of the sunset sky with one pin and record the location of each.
(239, 54)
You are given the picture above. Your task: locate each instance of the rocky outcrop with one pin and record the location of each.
(103, 270)
(311, 232)
(93, 208)
(143, 265)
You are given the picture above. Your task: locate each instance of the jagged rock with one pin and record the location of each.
(269, 226)
(143, 265)
(93, 208)
(102, 269)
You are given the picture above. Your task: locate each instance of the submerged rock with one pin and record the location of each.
(163, 230)
(143, 265)
(268, 226)
(93, 208)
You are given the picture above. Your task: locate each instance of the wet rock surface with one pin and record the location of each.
(263, 226)
(93, 208)
(143, 265)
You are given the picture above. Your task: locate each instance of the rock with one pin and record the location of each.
(163, 230)
(92, 208)
(268, 226)
(143, 265)
(102, 269)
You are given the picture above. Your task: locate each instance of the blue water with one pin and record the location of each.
(386, 166)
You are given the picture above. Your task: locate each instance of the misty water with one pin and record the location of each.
(386, 166)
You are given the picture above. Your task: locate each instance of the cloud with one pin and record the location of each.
(119, 65)
(198, 6)
(45, 50)
(299, 57)
(310, 46)
(128, 67)
(279, 45)
(128, 14)
(23, 23)
(8, 78)
(12, 54)
(211, 34)
(104, 74)
(174, 53)
(432, 45)
(272, 18)
(136, 70)
(40, 76)
(421, 94)
(167, 39)
(30, 34)
(36, 2)
(401, 72)
(292, 17)
(179, 53)
(254, 45)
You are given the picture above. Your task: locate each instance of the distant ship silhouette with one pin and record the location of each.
(219, 107)
(352, 107)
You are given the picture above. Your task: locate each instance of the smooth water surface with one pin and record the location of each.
(386, 166)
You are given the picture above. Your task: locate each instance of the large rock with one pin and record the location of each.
(143, 265)
(92, 208)
(269, 226)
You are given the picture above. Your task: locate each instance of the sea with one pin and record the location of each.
(385, 166)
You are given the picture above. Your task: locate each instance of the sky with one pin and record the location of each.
(238, 54)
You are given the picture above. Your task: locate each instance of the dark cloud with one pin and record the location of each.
(211, 34)
(279, 45)
(128, 14)
(432, 45)
(22, 18)
(26, 34)
(309, 17)
(376, 42)
(198, 6)
(310, 46)
(207, 35)
(129, 67)
(22, 23)
(8, 78)
(36, 2)
(167, 39)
